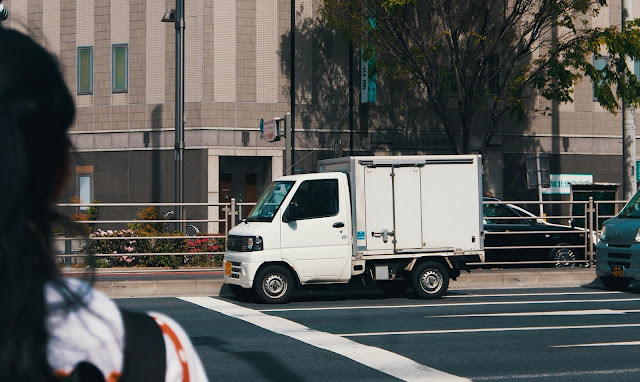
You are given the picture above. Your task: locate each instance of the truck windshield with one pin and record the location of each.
(632, 209)
(269, 202)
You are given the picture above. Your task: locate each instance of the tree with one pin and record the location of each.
(466, 57)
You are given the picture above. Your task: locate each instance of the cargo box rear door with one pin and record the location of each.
(392, 191)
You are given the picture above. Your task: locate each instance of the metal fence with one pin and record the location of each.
(207, 224)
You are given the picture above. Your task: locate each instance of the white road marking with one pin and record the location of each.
(555, 313)
(480, 330)
(530, 294)
(449, 305)
(557, 375)
(379, 359)
(627, 343)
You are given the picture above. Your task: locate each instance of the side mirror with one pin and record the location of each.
(291, 213)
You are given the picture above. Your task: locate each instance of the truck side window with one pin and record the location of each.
(317, 199)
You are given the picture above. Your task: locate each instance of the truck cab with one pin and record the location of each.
(300, 228)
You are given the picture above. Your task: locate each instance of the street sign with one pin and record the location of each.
(270, 129)
(538, 165)
(561, 183)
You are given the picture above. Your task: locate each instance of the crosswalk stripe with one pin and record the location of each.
(379, 359)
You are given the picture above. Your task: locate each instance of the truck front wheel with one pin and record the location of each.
(430, 280)
(273, 284)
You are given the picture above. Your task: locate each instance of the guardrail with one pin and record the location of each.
(205, 231)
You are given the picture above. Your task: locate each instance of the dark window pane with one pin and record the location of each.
(120, 68)
(85, 70)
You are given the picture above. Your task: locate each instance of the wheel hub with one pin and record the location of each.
(563, 256)
(275, 285)
(431, 281)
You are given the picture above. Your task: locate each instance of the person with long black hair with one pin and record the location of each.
(54, 329)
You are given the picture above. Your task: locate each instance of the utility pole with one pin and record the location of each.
(177, 17)
(293, 86)
(629, 184)
(179, 146)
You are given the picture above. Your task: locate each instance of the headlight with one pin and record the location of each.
(638, 236)
(251, 243)
(603, 233)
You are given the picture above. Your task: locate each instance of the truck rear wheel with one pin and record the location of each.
(615, 283)
(430, 280)
(273, 284)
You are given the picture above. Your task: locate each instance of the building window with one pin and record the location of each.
(120, 68)
(599, 62)
(85, 70)
(85, 190)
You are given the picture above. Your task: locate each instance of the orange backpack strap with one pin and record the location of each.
(144, 350)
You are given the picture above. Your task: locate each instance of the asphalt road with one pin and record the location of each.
(568, 334)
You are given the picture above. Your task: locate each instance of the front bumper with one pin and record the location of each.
(614, 255)
(239, 268)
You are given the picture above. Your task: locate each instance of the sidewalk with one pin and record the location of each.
(476, 279)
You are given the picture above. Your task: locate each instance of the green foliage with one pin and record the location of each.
(493, 56)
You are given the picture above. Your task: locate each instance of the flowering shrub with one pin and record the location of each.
(126, 252)
(204, 244)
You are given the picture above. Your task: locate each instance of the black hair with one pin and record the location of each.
(36, 110)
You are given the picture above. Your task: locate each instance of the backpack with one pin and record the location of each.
(144, 353)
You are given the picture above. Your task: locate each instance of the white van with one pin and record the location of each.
(400, 221)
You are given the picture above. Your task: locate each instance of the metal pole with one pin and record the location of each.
(350, 99)
(179, 108)
(629, 185)
(293, 85)
(287, 139)
(539, 174)
(590, 230)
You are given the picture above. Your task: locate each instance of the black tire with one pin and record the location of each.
(273, 284)
(240, 292)
(394, 288)
(429, 280)
(562, 256)
(615, 283)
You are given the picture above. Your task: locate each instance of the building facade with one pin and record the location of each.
(118, 59)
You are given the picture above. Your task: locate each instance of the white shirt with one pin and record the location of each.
(95, 334)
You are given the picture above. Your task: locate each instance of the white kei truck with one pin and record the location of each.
(397, 221)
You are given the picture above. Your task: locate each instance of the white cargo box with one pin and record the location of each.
(414, 204)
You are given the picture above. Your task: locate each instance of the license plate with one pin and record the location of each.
(227, 268)
(616, 271)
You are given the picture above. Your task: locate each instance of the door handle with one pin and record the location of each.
(338, 225)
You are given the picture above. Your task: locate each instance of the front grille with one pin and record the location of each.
(623, 256)
(619, 245)
(236, 269)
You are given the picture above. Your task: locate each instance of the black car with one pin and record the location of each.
(507, 225)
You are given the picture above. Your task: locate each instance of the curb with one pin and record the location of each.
(476, 279)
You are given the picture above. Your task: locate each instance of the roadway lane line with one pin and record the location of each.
(626, 343)
(529, 294)
(481, 330)
(555, 313)
(450, 304)
(556, 375)
(379, 359)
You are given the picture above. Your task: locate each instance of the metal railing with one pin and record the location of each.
(591, 219)
(211, 222)
(125, 226)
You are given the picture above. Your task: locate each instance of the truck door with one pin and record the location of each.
(393, 191)
(318, 241)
